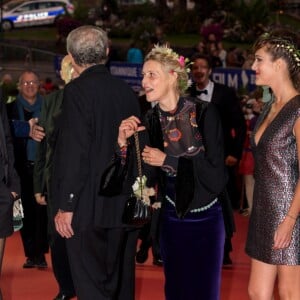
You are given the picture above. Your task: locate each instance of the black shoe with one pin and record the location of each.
(141, 256)
(41, 263)
(157, 261)
(227, 262)
(29, 263)
(62, 296)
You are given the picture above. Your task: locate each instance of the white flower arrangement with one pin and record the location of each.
(141, 191)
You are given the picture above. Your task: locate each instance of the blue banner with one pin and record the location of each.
(233, 77)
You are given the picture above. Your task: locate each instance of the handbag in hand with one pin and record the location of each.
(18, 214)
(138, 210)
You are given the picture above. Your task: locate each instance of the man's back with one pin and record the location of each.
(93, 107)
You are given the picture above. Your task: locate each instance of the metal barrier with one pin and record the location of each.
(16, 58)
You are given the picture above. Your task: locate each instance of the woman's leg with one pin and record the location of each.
(288, 282)
(262, 280)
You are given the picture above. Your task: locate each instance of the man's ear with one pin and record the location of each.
(72, 59)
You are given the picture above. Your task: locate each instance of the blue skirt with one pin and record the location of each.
(192, 252)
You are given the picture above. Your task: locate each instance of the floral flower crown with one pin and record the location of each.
(184, 64)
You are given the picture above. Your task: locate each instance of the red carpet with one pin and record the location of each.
(31, 284)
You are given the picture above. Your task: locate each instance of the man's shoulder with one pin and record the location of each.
(222, 91)
(222, 86)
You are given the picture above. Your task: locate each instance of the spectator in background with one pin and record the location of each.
(235, 58)
(160, 36)
(249, 58)
(34, 230)
(134, 54)
(48, 86)
(9, 88)
(222, 53)
(246, 164)
(213, 52)
(233, 125)
(51, 108)
(9, 181)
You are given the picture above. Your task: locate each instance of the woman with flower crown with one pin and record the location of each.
(186, 145)
(273, 241)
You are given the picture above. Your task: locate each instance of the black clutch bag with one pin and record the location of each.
(137, 211)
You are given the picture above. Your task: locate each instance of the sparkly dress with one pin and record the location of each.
(276, 175)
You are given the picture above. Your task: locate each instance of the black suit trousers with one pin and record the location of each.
(60, 265)
(103, 263)
(34, 232)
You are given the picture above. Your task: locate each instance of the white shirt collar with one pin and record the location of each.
(209, 88)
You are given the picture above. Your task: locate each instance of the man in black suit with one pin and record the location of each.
(233, 123)
(100, 247)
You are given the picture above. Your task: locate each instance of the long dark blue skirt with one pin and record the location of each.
(192, 252)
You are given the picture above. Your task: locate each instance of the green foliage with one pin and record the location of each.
(183, 22)
(81, 11)
(247, 20)
(147, 10)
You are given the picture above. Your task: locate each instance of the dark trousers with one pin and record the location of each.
(233, 187)
(149, 234)
(60, 265)
(103, 263)
(192, 252)
(34, 232)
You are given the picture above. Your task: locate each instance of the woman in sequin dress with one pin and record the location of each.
(273, 241)
(187, 146)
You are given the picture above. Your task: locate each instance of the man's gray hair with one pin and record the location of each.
(88, 45)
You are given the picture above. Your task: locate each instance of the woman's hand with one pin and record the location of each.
(153, 156)
(127, 129)
(283, 233)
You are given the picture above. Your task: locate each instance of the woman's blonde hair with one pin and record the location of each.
(66, 69)
(171, 62)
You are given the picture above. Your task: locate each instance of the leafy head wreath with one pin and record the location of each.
(178, 63)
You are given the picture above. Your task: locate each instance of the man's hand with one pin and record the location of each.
(63, 222)
(40, 199)
(36, 132)
(230, 161)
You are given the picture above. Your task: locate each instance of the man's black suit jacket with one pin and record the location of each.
(94, 105)
(9, 180)
(232, 118)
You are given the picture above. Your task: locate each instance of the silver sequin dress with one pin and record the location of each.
(276, 175)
